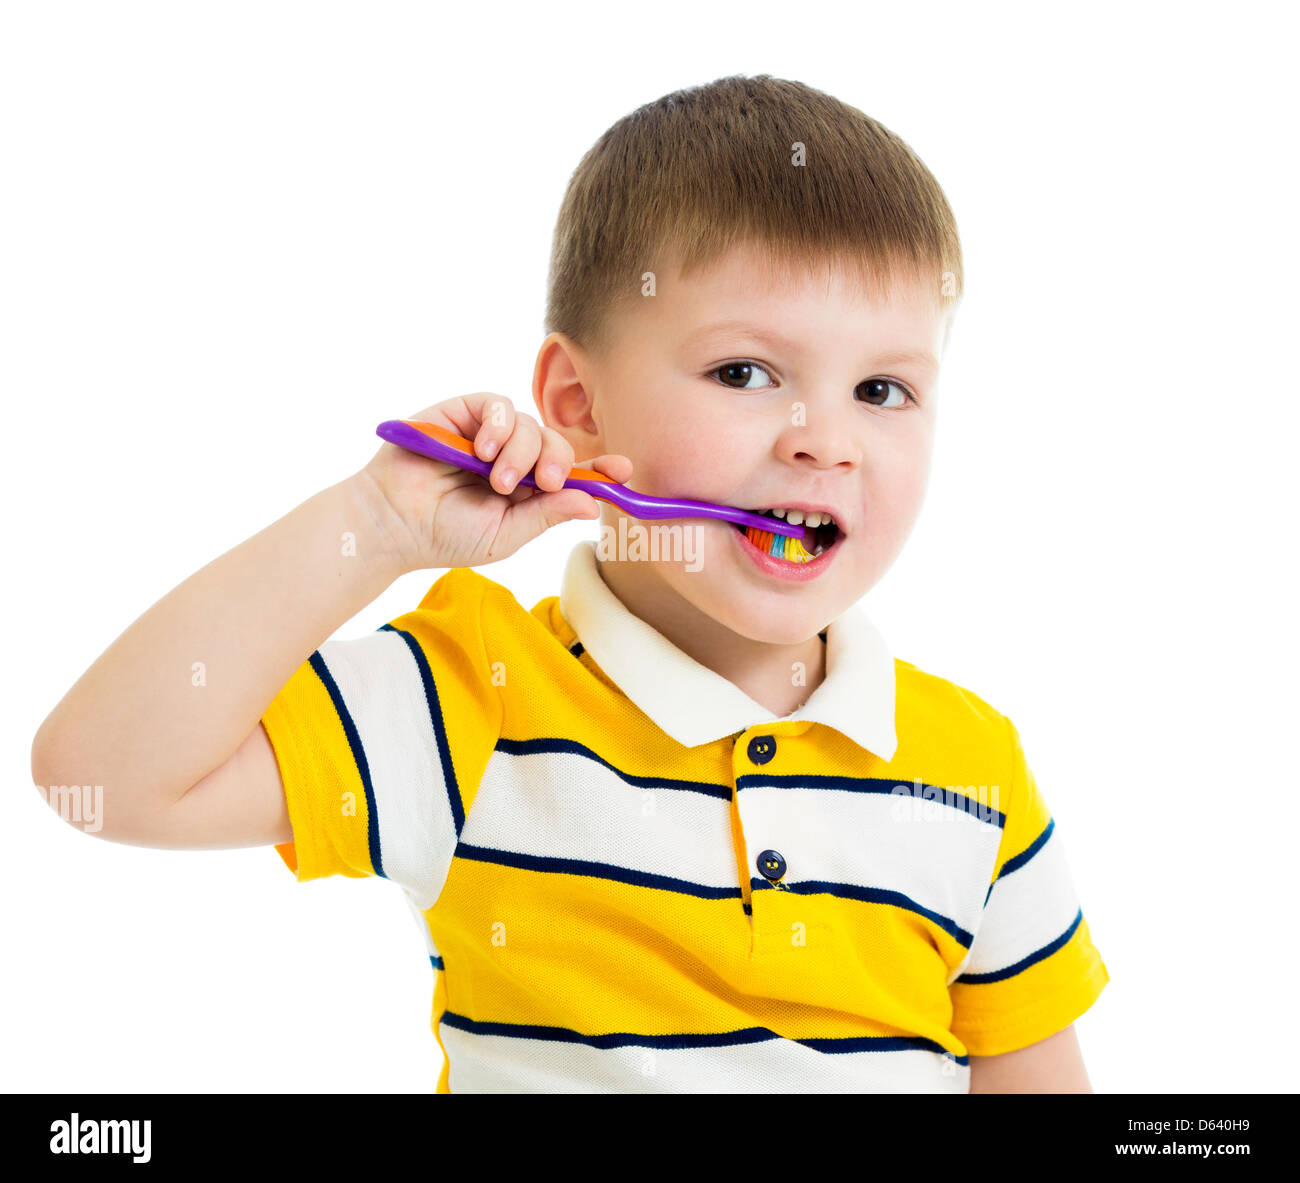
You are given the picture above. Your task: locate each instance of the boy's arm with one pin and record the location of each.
(1053, 1065)
(137, 723)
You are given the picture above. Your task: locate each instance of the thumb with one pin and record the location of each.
(533, 516)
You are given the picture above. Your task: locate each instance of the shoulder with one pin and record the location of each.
(483, 615)
(465, 599)
(951, 722)
(464, 589)
(923, 692)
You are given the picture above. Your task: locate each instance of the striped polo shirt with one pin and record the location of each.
(631, 877)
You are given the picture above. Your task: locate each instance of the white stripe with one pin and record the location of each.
(560, 805)
(380, 683)
(1028, 908)
(422, 923)
(509, 1064)
(938, 855)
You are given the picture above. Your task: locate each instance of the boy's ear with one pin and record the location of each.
(562, 395)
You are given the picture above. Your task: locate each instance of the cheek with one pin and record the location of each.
(900, 489)
(696, 462)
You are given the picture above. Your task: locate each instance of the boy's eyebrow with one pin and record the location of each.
(742, 328)
(909, 357)
(915, 357)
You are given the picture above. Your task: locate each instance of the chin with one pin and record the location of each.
(781, 623)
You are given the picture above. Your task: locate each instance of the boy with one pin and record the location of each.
(686, 826)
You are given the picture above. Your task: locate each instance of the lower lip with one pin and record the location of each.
(783, 568)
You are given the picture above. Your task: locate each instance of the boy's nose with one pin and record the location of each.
(827, 445)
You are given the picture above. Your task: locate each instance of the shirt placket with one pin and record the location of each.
(759, 858)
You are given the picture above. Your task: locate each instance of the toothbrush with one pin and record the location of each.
(428, 439)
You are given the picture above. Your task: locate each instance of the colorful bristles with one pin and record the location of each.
(778, 545)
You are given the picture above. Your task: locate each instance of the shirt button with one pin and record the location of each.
(771, 864)
(762, 748)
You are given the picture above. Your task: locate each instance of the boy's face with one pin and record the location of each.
(770, 390)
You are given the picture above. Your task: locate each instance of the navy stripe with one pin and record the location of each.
(878, 784)
(595, 870)
(870, 895)
(358, 757)
(683, 1041)
(1024, 963)
(533, 747)
(439, 726)
(570, 866)
(1014, 864)
(882, 1043)
(436, 962)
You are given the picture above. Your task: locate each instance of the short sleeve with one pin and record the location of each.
(382, 740)
(1032, 968)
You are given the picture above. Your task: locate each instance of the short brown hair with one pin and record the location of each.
(695, 172)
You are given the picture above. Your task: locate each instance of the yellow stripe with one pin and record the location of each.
(610, 956)
(322, 786)
(997, 1017)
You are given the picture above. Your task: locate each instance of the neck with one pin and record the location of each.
(764, 671)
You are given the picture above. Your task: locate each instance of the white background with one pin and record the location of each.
(234, 237)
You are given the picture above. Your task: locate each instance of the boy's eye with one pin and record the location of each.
(737, 374)
(875, 392)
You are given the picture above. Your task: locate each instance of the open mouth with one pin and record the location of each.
(821, 532)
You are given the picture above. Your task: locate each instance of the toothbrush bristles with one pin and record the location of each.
(790, 549)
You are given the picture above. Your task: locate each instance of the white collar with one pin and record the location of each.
(693, 704)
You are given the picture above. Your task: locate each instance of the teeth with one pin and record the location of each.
(797, 517)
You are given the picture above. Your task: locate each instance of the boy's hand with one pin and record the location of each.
(442, 516)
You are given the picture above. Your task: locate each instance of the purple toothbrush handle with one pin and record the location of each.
(638, 505)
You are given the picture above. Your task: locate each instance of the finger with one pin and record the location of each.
(461, 415)
(613, 465)
(518, 454)
(494, 420)
(528, 518)
(554, 462)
